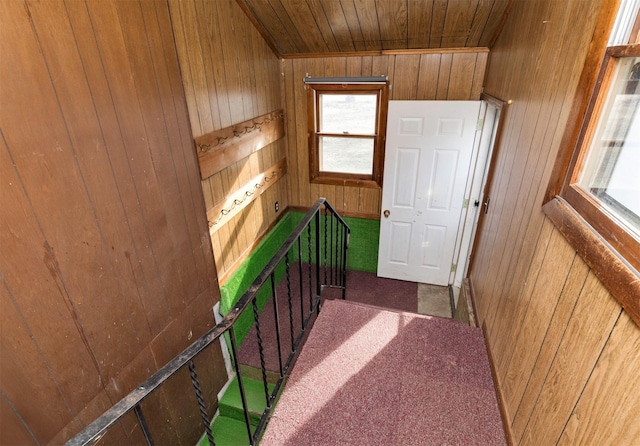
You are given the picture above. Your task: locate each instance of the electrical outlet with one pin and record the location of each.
(277, 206)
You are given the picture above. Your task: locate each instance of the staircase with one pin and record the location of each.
(229, 427)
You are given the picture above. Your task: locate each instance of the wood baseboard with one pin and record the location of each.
(496, 380)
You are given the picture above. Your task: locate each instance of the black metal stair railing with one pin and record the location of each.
(326, 236)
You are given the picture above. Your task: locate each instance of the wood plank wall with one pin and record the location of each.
(567, 356)
(106, 272)
(230, 75)
(451, 76)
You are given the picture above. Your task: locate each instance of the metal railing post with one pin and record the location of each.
(318, 282)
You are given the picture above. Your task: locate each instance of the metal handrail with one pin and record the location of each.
(132, 401)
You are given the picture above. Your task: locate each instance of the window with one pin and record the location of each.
(594, 195)
(346, 124)
(603, 181)
(612, 164)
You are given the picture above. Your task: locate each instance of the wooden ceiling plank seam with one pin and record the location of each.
(457, 24)
(320, 17)
(375, 8)
(283, 15)
(268, 38)
(418, 24)
(480, 21)
(473, 21)
(304, 24)
(406, 28)
(339, 27)
(266, 18)
(501, 22)
(392, 24)
(431, 17)
(368, 24)
(438, 19)
(353, 22)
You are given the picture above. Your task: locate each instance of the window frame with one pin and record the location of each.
(612, 253)
(314, 90)
(583, 201)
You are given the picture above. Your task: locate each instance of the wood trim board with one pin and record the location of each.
(221, 148)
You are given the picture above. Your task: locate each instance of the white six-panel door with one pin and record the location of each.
(428, 152)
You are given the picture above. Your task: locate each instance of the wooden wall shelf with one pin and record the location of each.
(220, 149)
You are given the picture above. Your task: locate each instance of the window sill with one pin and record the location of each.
(617, 275)
(350, 182)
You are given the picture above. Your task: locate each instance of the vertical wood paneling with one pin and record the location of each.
(555, 333)
(452, 76)
(534, 313)
(607, 391)
(230, 76)
(557, 325)
(103, 216)
(587, 331)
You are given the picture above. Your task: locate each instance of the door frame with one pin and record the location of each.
(476, 194)
(487, 182)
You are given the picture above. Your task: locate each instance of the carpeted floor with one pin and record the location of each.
(368, 376)
(362, 287)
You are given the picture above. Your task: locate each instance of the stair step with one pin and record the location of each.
(227, 432)
(231, 403)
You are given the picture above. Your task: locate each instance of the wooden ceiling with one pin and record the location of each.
(295, 28)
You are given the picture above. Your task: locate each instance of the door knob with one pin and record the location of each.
(386, 213)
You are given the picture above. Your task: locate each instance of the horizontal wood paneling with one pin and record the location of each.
(220, 149)
(230, 76)
(446, 76)
(102, 216)
(294, 27)
(554, 330)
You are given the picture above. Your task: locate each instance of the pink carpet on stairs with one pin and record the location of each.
(368, 376)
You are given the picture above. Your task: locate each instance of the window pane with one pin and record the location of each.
(612, 168)
(348, 113)
(346, 155)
